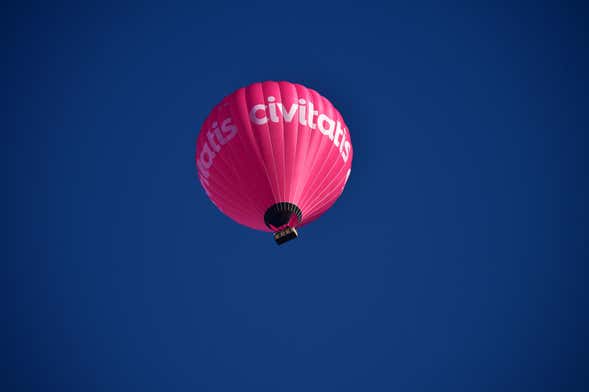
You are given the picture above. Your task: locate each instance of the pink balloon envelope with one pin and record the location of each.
(274, 156)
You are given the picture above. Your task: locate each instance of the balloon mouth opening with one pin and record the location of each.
(282, 218)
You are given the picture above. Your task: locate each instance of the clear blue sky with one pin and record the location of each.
(454, 261)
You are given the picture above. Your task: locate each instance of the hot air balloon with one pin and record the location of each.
(274, 156)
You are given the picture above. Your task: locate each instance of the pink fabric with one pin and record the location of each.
(262, 145)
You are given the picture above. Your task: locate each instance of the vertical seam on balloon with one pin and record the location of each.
(272, 154)
(281, 122)
(310, 177)
(292, 187)
(314, 181)
(317, 183)
(259, 154)
(301, 182)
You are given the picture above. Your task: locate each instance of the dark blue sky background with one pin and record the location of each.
(455, 260)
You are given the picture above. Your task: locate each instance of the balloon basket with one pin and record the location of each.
(287, 234)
